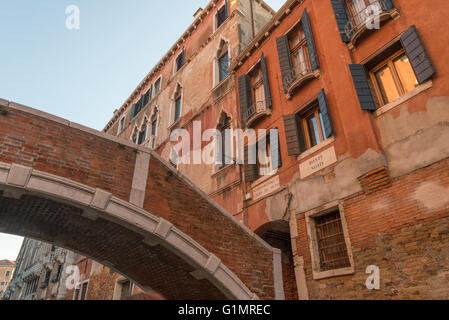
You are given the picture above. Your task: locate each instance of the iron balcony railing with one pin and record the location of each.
(361, 15)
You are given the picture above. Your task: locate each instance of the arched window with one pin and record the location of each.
(222, 62)
(177, 104)
(153, 127)
(224, 156)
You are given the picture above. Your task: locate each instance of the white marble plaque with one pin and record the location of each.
(318, 162)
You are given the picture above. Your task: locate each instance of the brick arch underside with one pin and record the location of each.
(154, 267)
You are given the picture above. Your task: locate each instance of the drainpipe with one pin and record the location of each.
(253, 29)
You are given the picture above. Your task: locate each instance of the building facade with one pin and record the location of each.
(6, 272)
(40, 272)
(358, 198)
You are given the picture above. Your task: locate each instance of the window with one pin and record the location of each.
(329, 242)
(177, 109)
(180, 60)
(153, 132)
(309, 127)
(298, 51)
(84, 291)
(121, 125)
(125, 289)
(58, 274)
(223, 127)
(333, 253)
(222, 14)
(312, 125)
(157, 86)
(7, 273)
(393, 78)
(297, 55)
(142, 133)
(257, 89)
(362, 11)
(177, 105)
(223, 64)
(174, 158)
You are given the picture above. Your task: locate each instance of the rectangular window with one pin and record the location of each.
(257, 89)
(312, 126)
(222, 15)
(7, 273)
(333, 253)
(122, 125)
(84, 291)
(126, 290)
(157, 86)
(298, 51)
(177, 109)
(393, 78)
(180, 60)
(58, 273)
(223, 64)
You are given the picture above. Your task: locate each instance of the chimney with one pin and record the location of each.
(198, 13)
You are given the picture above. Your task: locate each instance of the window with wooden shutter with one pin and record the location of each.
(294, 135)
(362, 87)
(245, 99)
(417, 53)
(266, 82)
(251, 169)
(285, 62)
(342, 18)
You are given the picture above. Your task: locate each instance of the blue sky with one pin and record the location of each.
(84, 75)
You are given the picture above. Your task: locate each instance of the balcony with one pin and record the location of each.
(34, 271)
(363, 18)
(301, 72)
(48, 260)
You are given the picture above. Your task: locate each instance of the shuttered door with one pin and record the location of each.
(294, 135)
(342, 18)
(251, 170)
(416, 52)
(362, 87)
(305, 20)
(266, 83)
(245, 98)
(327, 121)
(285, 61)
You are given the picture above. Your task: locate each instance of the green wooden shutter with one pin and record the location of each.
(294, 135)
(327, 121)
(266, 83)
(285, 61)
(362, 87)
(342, 18)
(305, 20)
(133, 111)
(416, 52)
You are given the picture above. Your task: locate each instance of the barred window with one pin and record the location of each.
(332, 249)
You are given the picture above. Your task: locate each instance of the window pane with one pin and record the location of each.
(178, 109)
(313, 131)
(223, 63)
(406, 73)
(153, 127)
(299, 62)
(387, 85)
(322, 126)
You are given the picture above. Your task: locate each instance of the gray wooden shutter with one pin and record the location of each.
(342, 18)
(294, 135)
(245, 97)
(276, 160)
(266, 83)
(362, 87)
(305, 20)
(251, 170)
(327, 121)
(389, 5)
(416, 52)
(227, 8)
(285, 61)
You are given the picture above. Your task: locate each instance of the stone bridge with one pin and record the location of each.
(124, 206)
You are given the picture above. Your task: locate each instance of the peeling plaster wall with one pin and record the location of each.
(415, 140)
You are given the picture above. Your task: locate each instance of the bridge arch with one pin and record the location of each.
(114, 201)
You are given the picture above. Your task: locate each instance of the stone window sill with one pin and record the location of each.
(317, 148)
(318, 275)
(404, 98)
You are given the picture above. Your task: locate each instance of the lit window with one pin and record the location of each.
(393, 78)
(313, 127)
